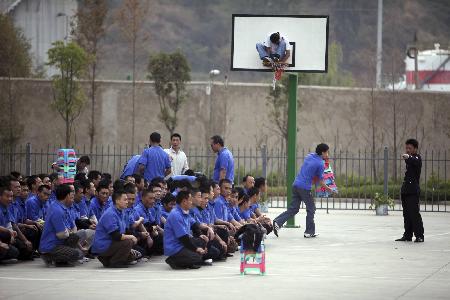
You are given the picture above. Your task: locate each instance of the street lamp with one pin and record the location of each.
(61, 14)
(212, 73)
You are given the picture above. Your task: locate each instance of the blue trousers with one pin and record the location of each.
(280, 53)
(299, 195)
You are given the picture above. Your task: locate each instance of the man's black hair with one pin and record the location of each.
(107, 176)
(117, 195)
(15, 174)
(225, 180)
(189, 172)
(44, 186)
(61, 191)
(145, 192)
(42, 176)
(182, 195)
(53, 177)
(157, 181)
(103, 184)
(168, 198)
(31, 180)
(321, 148)
(259, 182)
(85, 159)
(244, 200)
(80, 176)
(155, 137)
(175, 135)
(275, 37)
(412, 142)
(138, 178)
(244, 179)
(78, 185)
(93, 175)
(252, 192)
(3, 189)
(217, 139)
(129, 188)
(118, 185)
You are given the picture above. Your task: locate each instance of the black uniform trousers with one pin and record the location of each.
(411, 216)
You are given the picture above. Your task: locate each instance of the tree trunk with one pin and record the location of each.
(374, 165)
(92, 129)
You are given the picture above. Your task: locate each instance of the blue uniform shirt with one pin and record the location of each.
(156, 161)
(58, 220)
(221, 209)
(19, 211)
(253, 207)
(178, 224)
(95, 208)
(113, 219)
(130, 167)
(5, 216)
(246, 214)
(35, 208)
(196, 214)
(146, 213)
(224, 161)
(79, 210)
(211, 212)
(313, 166)
(233, 211)
(157, 212)
(131, 216)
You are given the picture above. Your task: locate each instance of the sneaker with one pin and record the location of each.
(132, 263)
(403, 239)
(194, 267)
(11, 261)
(276, 228)
(267, 62)
(207, 262)
(310, 235)
(419, 240)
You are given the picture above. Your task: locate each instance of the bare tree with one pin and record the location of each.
(131, 16)
(90, 30)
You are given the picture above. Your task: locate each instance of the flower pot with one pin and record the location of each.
(382, 210)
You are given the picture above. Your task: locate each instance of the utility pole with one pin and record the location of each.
(379, 42)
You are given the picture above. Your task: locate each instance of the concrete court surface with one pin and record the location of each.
(354, 257)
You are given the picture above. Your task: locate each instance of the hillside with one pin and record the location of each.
(202, 30)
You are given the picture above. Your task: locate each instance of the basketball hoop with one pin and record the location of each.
(278, 69)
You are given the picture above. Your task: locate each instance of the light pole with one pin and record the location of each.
(61, 14)
(212, 73)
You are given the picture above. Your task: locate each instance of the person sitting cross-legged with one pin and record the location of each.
(113, 246)
(59, 242)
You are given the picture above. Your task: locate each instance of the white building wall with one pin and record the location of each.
(40, 24)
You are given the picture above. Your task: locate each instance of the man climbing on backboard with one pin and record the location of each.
(275, 49)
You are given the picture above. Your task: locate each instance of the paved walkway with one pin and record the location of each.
(353, 258)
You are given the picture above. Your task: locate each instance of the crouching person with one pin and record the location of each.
(59, 242)
(183, 251)
(113, 246)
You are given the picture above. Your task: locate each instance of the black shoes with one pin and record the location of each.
(403, 239)
(275, 228)
(419, 240)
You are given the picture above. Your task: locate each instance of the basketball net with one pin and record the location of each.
(278, 70)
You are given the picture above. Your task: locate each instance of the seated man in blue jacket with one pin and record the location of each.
(113, 246)
(183, 250)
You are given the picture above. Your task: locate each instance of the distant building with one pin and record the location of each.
(42, 22)
(433, 70)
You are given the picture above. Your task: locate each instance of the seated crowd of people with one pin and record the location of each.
(157, 207)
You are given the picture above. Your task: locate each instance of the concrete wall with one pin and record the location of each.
(338, 116)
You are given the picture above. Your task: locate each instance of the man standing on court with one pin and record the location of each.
(410, 194)
(224, 167)
(177, 156)
(313, 167)
(154, 162)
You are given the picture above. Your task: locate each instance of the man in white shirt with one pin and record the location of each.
(275, 48)
(177, 157)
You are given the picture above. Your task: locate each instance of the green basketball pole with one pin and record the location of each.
(292, 141)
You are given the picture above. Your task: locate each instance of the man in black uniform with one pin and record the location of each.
(410, 194)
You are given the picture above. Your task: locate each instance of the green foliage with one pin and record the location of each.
(68, 98)
(335, 75)
(170, 72)
(381, 199)
(15, 59)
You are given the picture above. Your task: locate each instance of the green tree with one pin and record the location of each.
(15, 61)
(170, 72)
(68, 98)
(335, 75)
(89, 32)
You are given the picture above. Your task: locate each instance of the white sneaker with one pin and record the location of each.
(309, 235)
(132, 262)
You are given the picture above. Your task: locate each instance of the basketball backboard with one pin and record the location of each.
(307, 36)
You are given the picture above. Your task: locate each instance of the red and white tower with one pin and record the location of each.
(433, 70)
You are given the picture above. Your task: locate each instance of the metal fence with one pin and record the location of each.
(359, 175)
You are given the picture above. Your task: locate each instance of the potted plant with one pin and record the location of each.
(381, 203)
